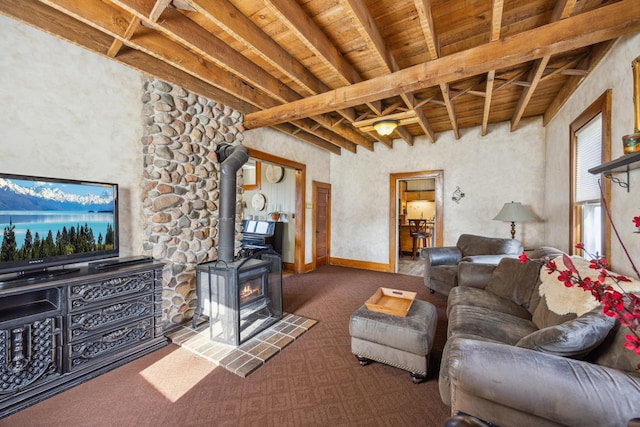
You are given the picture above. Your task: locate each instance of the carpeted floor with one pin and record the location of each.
(316, 381)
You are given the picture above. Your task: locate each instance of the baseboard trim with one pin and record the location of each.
(364, 265)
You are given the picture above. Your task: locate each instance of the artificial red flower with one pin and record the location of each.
(523, 257)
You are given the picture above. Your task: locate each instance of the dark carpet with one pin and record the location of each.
(315, 382)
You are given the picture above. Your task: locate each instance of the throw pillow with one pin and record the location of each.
(514, 280)
(574, 338)
(543, 317)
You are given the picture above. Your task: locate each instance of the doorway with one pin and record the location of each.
(321, 223)
(418, 194)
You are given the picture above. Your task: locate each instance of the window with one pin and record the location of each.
(590, 146)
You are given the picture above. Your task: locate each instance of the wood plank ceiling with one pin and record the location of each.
(325, 70)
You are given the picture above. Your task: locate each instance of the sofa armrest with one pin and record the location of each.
(444, 255)
(474, 274)
(501, 383)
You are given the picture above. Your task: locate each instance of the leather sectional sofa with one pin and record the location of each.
(511, 361)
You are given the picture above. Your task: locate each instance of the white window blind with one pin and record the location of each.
(588, 155)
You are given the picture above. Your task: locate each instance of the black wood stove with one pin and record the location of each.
(241, 297)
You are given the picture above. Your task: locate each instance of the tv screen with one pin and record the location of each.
(48, 222)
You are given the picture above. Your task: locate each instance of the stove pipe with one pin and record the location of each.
(232, 158)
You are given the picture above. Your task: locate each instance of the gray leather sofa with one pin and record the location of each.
(471, 260)
(511, 361)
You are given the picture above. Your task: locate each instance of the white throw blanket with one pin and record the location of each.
(563, 300)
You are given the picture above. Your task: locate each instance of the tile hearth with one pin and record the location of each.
(248, 357)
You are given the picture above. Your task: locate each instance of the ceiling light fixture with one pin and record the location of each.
(385, 127)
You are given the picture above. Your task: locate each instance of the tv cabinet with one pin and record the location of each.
(57, 333)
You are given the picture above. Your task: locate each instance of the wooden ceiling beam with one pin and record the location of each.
(535, 77)
(446, 96)
(487, 101)
(319, 131)
(562, 10)
(223, 14)
(588, 63)
(404, 134)
(411, 101)
(604, 23)
(370, 32)
(308, 138)
(423, 7)
(429, 32)
(295, 18)
(292, 15)
(496, 29)
(117, 43)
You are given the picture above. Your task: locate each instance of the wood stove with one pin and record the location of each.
(240, 298)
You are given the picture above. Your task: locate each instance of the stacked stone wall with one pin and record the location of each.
(182, 131)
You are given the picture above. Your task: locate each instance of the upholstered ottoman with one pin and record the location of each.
(403, 342)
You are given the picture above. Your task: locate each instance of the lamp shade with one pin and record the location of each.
(514, 212)
(385, 127)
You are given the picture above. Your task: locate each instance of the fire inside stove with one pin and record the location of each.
(251, 291)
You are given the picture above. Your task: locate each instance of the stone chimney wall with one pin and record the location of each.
(182, 131)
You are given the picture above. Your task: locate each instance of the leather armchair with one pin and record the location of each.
(469, 263)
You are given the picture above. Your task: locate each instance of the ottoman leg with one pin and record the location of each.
(417, 378)
(363, 360)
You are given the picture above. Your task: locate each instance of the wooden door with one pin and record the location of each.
(322, 223)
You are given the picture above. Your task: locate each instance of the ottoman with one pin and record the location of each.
(403, 342)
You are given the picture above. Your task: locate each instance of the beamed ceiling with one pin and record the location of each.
(325, 70)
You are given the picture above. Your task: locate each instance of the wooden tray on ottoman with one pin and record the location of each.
(391, 301)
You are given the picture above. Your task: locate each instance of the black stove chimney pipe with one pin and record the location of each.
(231, 159)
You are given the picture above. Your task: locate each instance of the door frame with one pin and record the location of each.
(301, 176)
(438, 176)
(315, 185)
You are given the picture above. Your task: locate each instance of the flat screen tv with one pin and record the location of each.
(49, 222)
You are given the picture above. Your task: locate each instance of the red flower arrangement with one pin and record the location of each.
(618, 303)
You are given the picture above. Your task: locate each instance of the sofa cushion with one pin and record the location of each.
(470, 245)
(574, 338)
(482, 298)
(514, 280)
(445, 273)
(488, 324)
(543, 317)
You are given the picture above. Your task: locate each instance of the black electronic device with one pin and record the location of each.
(52, 222)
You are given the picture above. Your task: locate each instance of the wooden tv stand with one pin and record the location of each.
(59, 332)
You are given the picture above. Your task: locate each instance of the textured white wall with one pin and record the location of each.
(501, 167)
(613, 72)
(64, 111)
